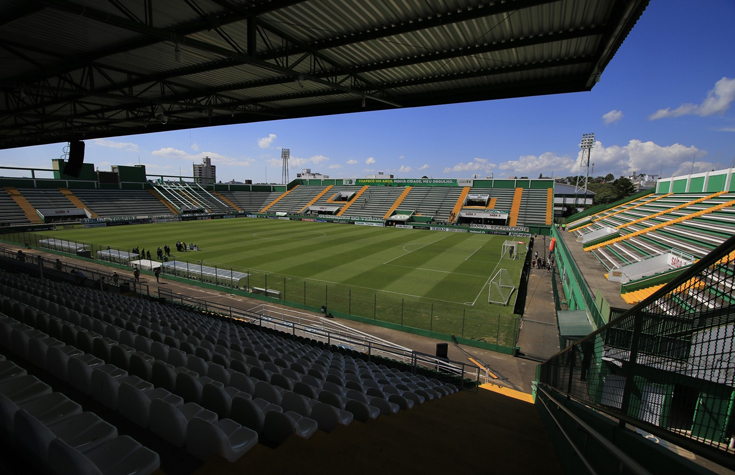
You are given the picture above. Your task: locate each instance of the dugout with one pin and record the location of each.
(214, 275)
(494, 218)
(320, 210)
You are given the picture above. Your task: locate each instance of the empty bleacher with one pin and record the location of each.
(10, 212)
(328, 198)
(296, 199)
(46, 198)
(534, 204)
(375, 202)
(435, 202)
(216, 387)
(248, 201)
(118, 203)
(191, 197)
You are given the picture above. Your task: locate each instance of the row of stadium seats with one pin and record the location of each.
(167, 368)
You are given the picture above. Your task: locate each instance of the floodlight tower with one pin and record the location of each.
(285, 155)
(588, 141)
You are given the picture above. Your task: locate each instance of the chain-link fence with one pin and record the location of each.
(668, 364)
(493, 324)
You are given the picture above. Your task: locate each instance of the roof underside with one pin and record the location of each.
(75, 69)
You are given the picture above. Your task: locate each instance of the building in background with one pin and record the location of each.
(205, 173)
(307, 174)
(379, 175)
(568, 201)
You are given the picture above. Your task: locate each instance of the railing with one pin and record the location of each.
(70, 271)
(666, 365)
(590, 436)
(589, 299)
(456, 371)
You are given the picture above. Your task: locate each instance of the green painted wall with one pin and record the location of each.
(664, 187)
(134, 174)
(87, 172)
(716, 183)
(696, 185)
(680, 186)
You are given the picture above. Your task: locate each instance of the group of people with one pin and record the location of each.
(541, 262)
(161, 252)
(182, 247)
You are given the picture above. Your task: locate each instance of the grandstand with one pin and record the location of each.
(520, 205)
(125, 381)
(646, 241)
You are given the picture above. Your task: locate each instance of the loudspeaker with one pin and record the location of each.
(76, 158)
(442, 350)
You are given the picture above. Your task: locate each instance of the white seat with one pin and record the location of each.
(119, 456)
(281, 425)
(170, 422)
(226, 438)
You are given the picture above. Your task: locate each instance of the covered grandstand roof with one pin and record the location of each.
(76, 69)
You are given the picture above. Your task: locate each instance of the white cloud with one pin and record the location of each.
(351, 162)
(195, 146)
(474, 165)
(401, 157)
(334, 166)
(612, 117)
(265, 142)
(404, 169)
(530, 165)
(726, 129)
(300, 161)
(370, 161)
(424, 166)
(127, 146)
(718, 101)
(217, 158)
(641, 157)
(170, 152)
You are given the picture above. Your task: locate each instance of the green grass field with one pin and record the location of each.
(421, 279)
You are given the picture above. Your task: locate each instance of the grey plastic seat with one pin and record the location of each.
(83, 431)
(226, 438)
(140, 365)
(163, 375)
(135, 403)
(57, 360)
(218, 399)
(281, 425)
(171, 422)
(23, 388)
(242, 382)
(120, 455)
(251, 412)
(218, 373)
(79, 371)
(106, 381)
(9, 370)
(195, 363)
(268, 392)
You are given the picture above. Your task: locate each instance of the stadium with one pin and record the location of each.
(154, 323)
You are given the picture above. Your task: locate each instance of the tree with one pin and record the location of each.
(624, 186)
(609, 177)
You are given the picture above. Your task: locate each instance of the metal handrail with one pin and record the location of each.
(624, 459)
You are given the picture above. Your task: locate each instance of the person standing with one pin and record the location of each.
(115, 278)
(136, 274)
(157, 273)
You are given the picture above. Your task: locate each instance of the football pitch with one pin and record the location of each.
(436, 281)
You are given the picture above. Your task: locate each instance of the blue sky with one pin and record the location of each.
(663, 106)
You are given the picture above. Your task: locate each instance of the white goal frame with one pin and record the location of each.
(510, 250)
(500, 288)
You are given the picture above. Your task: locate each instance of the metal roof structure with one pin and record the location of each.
(82, 69)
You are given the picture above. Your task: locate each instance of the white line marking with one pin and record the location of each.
(409, 252)
(486, 282)
(468, 257)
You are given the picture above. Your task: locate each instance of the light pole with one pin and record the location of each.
(588, 141)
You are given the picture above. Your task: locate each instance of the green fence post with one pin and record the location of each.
(497, 333)
(375, 307)
(266, 285)
(249, 289)
(326, 295)
(402, 311)
(349, 301)
(304, 292)
(431, 317)
(464, 314)
(283, 297)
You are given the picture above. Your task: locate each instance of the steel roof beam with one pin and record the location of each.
(406, 26)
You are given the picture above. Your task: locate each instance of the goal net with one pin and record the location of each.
(501, 287)
(510, 250)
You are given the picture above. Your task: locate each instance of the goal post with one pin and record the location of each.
(501, 288)
(511, 250)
